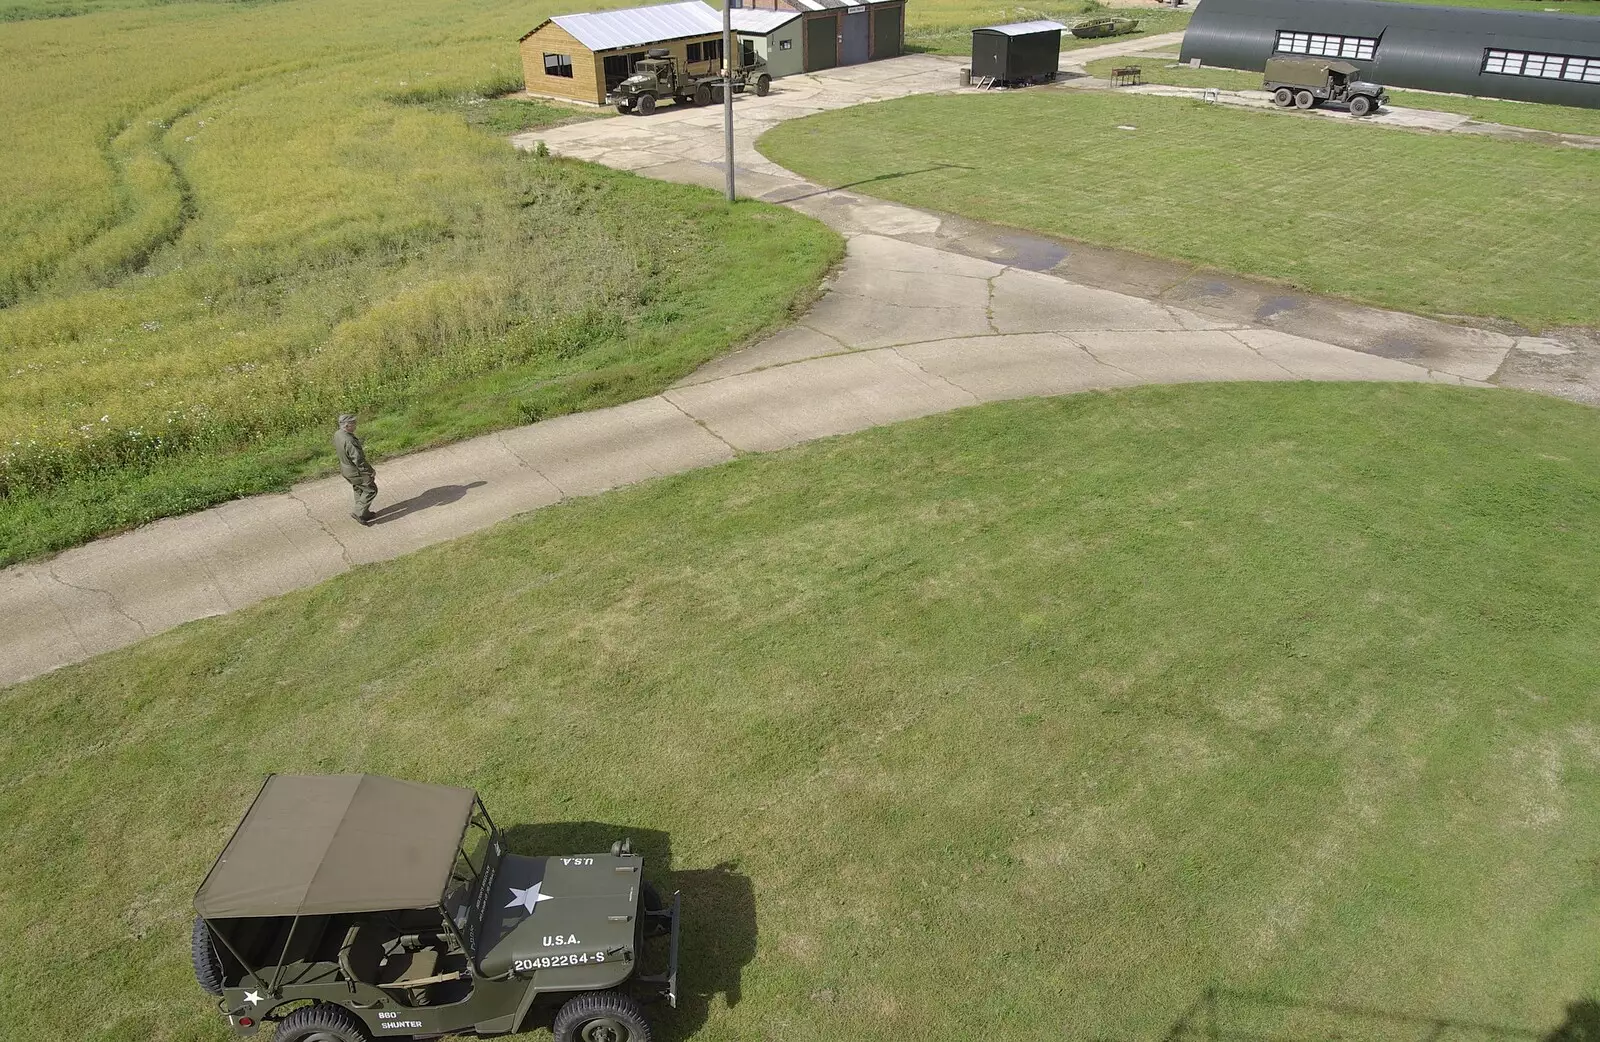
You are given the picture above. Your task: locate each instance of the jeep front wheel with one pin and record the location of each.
(601, 1016)
(645, 105)
(1283, 97)
(321, 1023)
(207, 963)
(1360, 105)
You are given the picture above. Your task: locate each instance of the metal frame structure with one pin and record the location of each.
(1555, 58)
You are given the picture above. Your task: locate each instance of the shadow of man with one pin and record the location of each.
(443, 495)
(718, 931)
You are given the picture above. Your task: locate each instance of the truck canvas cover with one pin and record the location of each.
(324, 844)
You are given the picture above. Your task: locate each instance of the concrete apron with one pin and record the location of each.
(926, 314)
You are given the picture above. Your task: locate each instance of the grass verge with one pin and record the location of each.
(1559, 119)
(1041, 721)
(945, 26)
(1431, 223)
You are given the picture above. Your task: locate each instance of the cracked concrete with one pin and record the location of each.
(928, 313)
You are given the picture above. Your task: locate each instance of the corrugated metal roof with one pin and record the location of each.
(747, 20)
(830, 5)
(1043, 25)
(637, 26)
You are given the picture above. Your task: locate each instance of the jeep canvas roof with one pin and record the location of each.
(322, 844)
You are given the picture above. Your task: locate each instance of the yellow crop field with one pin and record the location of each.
(222, 223)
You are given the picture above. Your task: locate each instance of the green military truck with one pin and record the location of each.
(347, 908)
(1311, 82)
(660, 77)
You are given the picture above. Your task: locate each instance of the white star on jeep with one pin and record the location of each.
(527, 898)
(253, 997)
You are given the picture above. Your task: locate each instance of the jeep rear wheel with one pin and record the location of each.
(1360, 105)
(601, 1016)
(321, 1023)
(207, 963)
(1304, 100)
(1283, 97)
(645, 105)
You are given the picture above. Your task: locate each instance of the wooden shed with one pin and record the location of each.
(1022, 52)
(845, 32)
(582, 57)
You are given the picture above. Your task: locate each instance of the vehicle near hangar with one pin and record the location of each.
(1310, 82)
(352, 907)
(660, 77)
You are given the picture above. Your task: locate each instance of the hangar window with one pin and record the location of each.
(1542, 66)
(709, 51)
(558, 65)
(1359, 47)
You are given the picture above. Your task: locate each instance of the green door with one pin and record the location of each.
(822, 42)
(886, 32)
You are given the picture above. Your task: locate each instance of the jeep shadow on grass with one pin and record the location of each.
(353, 907)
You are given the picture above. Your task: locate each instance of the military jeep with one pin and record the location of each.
(1311, 82)
(351, 907)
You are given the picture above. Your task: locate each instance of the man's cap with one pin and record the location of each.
(346, 417)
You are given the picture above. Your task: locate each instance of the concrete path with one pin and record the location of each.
(927, 314)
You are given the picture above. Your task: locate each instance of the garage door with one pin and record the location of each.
(886, 32)
(853, 37)
(822, 42)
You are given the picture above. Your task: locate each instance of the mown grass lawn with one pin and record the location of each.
(1555, 118)
(1431, 223)
(223, 224)
(945, 26)
(1034, 721)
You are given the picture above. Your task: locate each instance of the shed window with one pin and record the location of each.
(1542, 66)
(558, 65)
(709, 51)
(785, 45)
(1359, 47)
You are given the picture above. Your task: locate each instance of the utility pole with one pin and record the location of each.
(727, 90)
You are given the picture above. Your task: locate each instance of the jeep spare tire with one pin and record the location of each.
(207, 963)
(323, 1022)
(600, 1016)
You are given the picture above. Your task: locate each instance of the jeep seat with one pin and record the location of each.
(366, 957)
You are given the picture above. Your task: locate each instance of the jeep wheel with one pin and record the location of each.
(1360, 105)
(207, 963)
(763, 84)
(645, 105)
(1303, 100)
(601, 1016)
(1283, 97)
(321, 1023)
(702, 95)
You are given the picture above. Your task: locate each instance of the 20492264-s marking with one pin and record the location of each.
(547, 962)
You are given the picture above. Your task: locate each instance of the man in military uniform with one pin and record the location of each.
(355, 468)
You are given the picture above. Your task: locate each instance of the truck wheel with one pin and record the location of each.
(645, 105)
(600, 1016)
(207, 963)
(1303, 100)
(1283, 97)
(702, 95)
(716, 94)
(622, 107)
(1360, 105)
(763, 84)
(323, 1022)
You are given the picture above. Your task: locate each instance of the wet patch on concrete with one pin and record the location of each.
(1395, 347)
(1277, 306)
(1030, 252)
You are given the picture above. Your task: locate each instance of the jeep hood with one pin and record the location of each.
(549, 914)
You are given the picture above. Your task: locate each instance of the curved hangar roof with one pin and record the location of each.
(1522, 55)
(322, 844)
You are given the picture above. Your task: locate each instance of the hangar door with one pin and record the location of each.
(886, 31)
(822, 41)
(853, 37)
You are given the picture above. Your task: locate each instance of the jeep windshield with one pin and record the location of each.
(472, 873)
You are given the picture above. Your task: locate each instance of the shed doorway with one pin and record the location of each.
(886, 28)
(822, 42)
(853, 36)
(619, 67)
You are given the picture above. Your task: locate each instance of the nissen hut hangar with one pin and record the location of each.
(1521, 55)
(583, 56)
